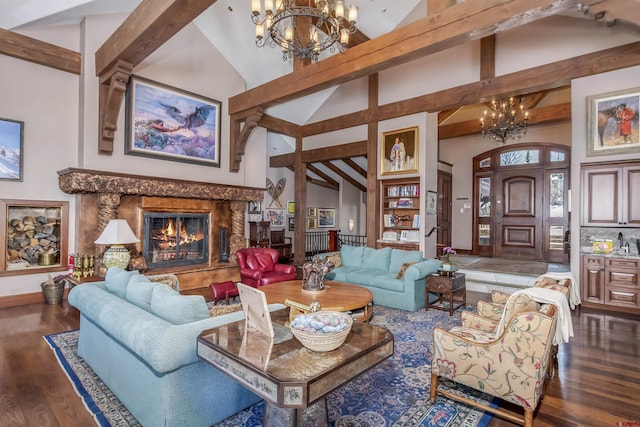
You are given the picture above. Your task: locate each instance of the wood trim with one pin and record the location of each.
(113, 86)
(433, 34)
(237, 145)
(488, 57)
(24, 299)
(39, 52)
(147, 28)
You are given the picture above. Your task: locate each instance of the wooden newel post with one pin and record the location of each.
(333, 240)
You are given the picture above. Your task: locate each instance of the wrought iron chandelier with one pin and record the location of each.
(303, 28)
(507, 120)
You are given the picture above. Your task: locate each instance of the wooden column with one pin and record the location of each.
(299, 235)
(373, 200)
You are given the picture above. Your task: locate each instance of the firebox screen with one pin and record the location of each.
(175, 239)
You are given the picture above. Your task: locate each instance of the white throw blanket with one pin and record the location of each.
(574, 292)
(564, 327)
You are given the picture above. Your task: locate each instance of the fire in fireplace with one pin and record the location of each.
(173, 239)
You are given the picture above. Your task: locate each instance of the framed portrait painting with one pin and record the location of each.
(612, 120)
(166, 123)
(275, 217)
(11, 149)
(399, 151)
(326, 217)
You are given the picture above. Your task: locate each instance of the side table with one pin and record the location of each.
(72, 281)
(449, 289)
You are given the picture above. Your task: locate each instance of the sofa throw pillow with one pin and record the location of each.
(177, 309)
(265, 262)
(403, 268)
(117, 279)
(400, 256)
(139, 291)
(335, 259)
(351, 256)
(376, 259)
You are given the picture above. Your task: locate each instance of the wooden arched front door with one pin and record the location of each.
(520, 209)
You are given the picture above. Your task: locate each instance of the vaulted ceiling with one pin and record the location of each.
(227, 25)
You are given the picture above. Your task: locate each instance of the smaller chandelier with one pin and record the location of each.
(303, 31)
(506, 120)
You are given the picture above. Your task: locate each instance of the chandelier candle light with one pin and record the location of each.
(286, 26)
(117, 234)
(506, 120)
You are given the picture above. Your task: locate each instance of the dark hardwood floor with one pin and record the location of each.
(597, 384)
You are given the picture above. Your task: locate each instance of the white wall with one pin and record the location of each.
(60, 112)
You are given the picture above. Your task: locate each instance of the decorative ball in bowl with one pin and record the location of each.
(322, 330)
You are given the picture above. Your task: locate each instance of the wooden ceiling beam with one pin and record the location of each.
(321, 174)
(356, 167)
(443, 30)
(39, 52)
(345, 176)
(352, 149)
(552, 113)
(147, 28)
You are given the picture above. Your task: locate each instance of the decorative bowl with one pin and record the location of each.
(323, 330)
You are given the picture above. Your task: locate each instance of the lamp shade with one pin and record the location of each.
(117, 232)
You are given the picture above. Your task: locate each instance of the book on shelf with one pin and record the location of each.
(387, 220)
(416, 221)
(405, 203)
(410, 236)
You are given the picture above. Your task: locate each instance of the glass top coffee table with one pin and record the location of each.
(292, 379)
(337, 296)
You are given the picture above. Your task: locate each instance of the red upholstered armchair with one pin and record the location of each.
(259, 266)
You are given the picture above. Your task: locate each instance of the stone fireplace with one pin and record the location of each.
(103, 196)
(173, 239)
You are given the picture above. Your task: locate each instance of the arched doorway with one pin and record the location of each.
(521, 208)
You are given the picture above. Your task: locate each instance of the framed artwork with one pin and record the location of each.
(432, 203)
(312, 212)
(254, 206)
(291, 207)
(11, 149)
(312, 223)
(612, 120)
(166, 123)
(399, 151)
(326, 217)
(275, 217)
(291, 221)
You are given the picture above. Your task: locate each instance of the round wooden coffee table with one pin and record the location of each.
(337, 296)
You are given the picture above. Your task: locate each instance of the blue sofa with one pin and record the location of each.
(149, 362)
(378, 271)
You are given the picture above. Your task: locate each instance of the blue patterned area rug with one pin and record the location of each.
(395, 393)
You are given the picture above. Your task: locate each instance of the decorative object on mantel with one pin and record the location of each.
(117, 234)
(313, 273)
(507, 120)
(319, 16)
(275, 191)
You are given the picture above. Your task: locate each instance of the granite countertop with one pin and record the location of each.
(617, 253)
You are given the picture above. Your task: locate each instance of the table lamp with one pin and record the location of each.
(117, 234)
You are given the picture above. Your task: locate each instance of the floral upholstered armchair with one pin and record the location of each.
(512, 365)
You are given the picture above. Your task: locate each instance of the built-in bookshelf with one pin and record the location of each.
(400, 209)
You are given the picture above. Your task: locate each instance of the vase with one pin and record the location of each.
(445, 259)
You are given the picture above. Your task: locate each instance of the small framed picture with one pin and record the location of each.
(11, 149)
(275, 217)
(612, 121)
(432, 203)
(312, 223)
(326, 217)
(291, 207)
(254, 206)
(291, 220)
(312, 212)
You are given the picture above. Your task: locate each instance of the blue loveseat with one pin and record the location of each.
(139, 337)
(379, 270)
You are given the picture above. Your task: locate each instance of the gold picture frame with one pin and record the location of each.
(612, 123)
(399, 151)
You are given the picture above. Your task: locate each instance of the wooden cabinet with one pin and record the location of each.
(593, 279)
(608, 195)
(400, 208)
(611, 281)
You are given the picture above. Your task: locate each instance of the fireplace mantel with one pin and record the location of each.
(74, 181)
(108, 195)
